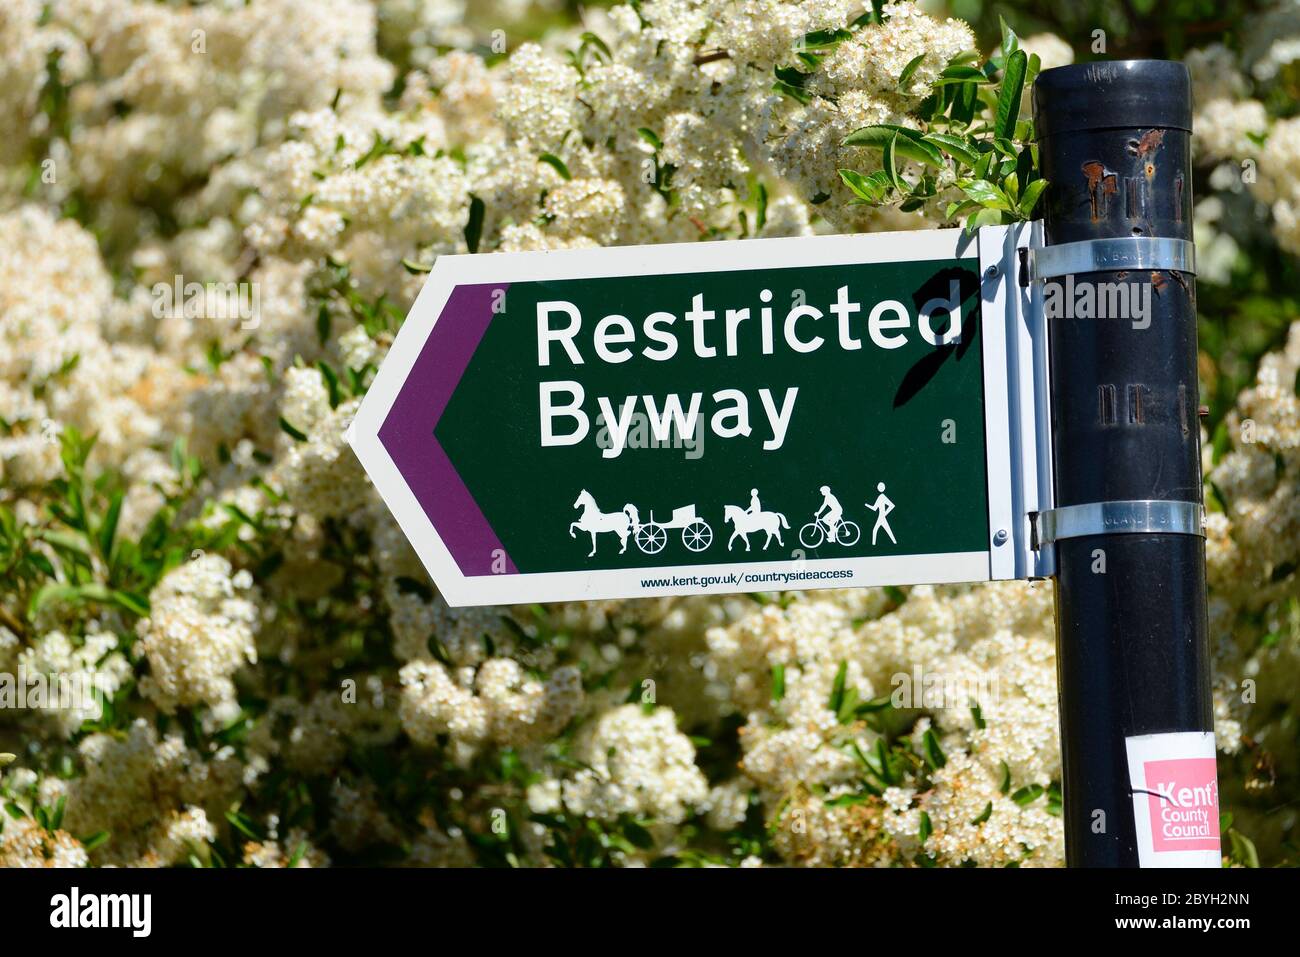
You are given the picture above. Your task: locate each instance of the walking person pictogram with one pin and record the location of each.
(882, 506)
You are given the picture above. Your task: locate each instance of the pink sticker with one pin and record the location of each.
(1183, 801)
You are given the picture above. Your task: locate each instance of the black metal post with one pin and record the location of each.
(1115, 144)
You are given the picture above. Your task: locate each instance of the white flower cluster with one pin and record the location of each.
(198, 634)
(60, 363)
(997, 639)
(496, 702)
(1251, 154)
(635, 763)
(156, 797)
(24, 843)
(1251, 553)
(79, 676)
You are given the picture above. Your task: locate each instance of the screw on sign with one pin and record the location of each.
(525, 430)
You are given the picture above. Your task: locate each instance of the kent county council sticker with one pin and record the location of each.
(1175, 799)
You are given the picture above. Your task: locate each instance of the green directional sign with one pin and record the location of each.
(713, 417)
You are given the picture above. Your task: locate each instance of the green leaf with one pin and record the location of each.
(956, 147)
(474, 226)
(1028, 794)
(133, 603)
(92, 592)
(778, 682)
(1013, 86)
(638, 836)
(1010, 42)
(1243, 849)
(296, 434)
(324, 324)
(955, 75)
(907, 142)
(56, 819)
(889, 163)
(331, 382)
(927, 828)
(1005, 785)
(824, 38)
(985, 217)
(793, 92)
(848, 707)
(1011, 186)
(553, 161)
(985, 193)
(958, 210)
(837, 688)
(848, 800)
(931, 751)
(1029, 198)
(378, 148)
(108, 528)
(964, 103)
(866, 188)
(243, 824)
(909, 71)
(590, 39)
(651, 137)
(985, 814)
(415, 268)
(92, 841)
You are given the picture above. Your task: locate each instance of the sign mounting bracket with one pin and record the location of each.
(1107, 255)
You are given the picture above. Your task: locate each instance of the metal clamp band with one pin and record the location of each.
(1116, 518)
(1109, 255)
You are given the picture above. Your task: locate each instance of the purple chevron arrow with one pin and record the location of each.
(407, 433)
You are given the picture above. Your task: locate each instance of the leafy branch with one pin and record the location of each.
(971, 135)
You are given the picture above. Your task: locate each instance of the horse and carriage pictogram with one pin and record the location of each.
(650, 536)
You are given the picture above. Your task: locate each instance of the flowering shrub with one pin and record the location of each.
(277, 684)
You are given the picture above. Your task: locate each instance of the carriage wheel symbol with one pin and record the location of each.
(651, 538)
(697, 536)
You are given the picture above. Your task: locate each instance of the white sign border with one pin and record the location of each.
(674, 259)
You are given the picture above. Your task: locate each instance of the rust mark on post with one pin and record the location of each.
(1102, 184)
(1150, 142)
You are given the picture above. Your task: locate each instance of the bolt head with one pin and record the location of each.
(1001, 537)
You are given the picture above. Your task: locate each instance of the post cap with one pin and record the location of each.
(1113, 94)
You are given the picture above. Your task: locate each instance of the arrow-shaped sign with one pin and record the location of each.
(702, 418)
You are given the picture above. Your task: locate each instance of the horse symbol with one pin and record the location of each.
(593, 520)
(746, 522)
